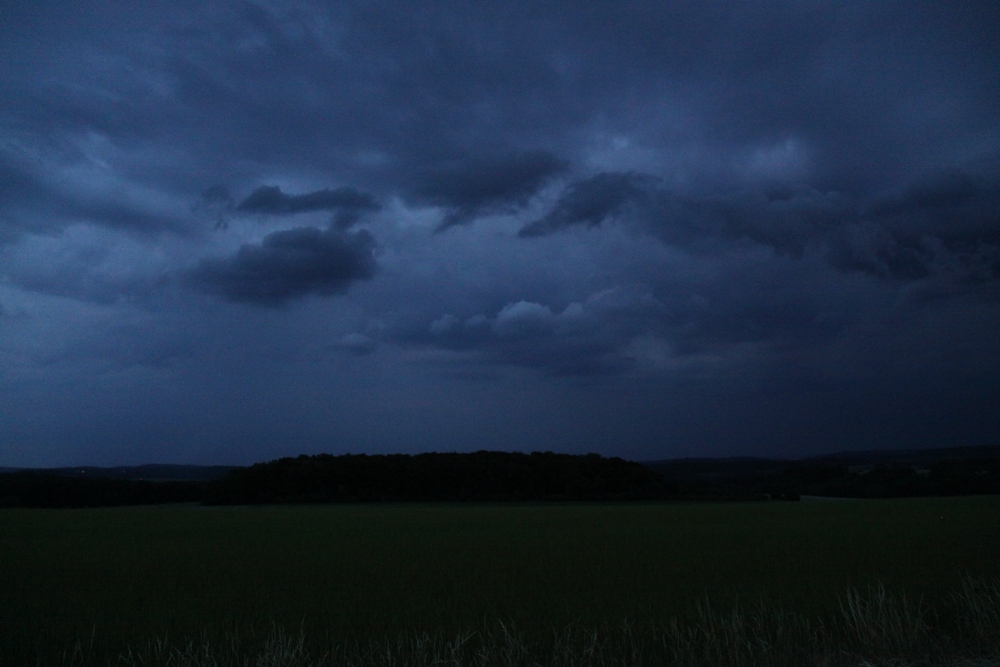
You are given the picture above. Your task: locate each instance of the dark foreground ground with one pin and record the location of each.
(761, 583)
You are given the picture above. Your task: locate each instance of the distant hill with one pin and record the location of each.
(865, 474)
(154, 472)
(910, 456)
(91, 486)
(477, 476)
(34, 489)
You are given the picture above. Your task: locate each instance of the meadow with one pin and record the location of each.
(337, 583)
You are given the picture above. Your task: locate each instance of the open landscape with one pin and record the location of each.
(619, 584)
(499, 334)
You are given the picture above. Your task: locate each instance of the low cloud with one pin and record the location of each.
(592, 201)
(270, 200)
(290, 264)
(582, 339)
(476, 187)
(522, 318)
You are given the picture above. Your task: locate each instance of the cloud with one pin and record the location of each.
(883, 253)
(592, 201)
(134, 344)
(587, 338)
(477, 186)
(19, 187)
(270, 200)
(782, 215)
(87, 263)
(44, 190)
(946, 189)
(939, 227)
(522, 318)
(942, 226)
(290, 264)
(357, 344)
(217, 202)
(785, 177)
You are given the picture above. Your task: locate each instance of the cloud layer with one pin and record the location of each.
(647, 229)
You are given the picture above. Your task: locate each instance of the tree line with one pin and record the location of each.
(510, 476)
(438, 477)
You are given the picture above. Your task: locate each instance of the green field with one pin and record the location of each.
(119, 578)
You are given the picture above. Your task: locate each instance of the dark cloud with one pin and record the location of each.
(592, 201)
(785, 216)
(290, 264)
(270, 200)
(348, 204)
(871, 249)
(955, 206)
(943, 190)
(878, 251)
(474, 187)
(943, 226)
(770, 190)
(795, 246)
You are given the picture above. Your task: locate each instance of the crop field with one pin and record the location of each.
(109, 586)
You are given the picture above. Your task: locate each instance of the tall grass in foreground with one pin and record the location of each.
(873, 627)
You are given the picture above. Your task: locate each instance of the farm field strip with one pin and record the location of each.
(124, 577)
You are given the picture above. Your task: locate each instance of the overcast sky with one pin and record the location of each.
(235, 231)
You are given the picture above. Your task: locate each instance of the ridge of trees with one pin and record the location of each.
(503, 476)
(440, 477)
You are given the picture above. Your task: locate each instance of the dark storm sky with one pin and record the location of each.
(236, 231)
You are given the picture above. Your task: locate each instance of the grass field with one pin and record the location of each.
(115, 579)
